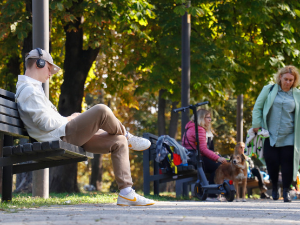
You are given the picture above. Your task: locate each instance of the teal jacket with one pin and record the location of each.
(261, 109)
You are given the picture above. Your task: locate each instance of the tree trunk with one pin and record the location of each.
(174, 121)
(27, 42)
(76, 67)
(161, 124)
(97, 170)
(24, 180)
(13, 66)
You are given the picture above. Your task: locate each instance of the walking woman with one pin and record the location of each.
(277, 110)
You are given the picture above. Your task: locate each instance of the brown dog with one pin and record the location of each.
(235, 170)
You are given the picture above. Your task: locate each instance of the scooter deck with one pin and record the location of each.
(212, 186)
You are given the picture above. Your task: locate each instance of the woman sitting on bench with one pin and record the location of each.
(211, 160)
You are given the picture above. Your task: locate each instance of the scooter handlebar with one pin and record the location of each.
(180, 109)
(187, 107)
(201, 103)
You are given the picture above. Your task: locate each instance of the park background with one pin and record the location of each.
(127, 54)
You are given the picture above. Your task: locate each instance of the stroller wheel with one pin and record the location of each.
(229, 195)
(198, 190)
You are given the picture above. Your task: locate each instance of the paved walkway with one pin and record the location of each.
(253, 212)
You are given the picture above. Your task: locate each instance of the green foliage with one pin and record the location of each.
(181, 9)
(236, 47)
(22, 201)
(14, 26)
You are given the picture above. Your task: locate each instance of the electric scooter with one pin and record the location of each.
(202, 187)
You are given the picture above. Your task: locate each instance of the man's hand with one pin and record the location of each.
(74, 115)
(222, 160)
(255, 130)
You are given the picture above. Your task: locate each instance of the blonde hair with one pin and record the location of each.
(237, 147)
(201, 114)
(288, 69)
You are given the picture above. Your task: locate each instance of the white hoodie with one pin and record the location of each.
(39, 115)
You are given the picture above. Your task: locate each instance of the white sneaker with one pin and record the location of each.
(133, 199)
(137, 143)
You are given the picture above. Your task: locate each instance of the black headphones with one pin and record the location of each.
(40, 63)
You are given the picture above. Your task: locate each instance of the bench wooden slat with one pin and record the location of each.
(191, 167)
(27, 148)
(171, 177)
(7, 94)
(7, 151)
(13, 131)
(42, 165)
(9, 112)
(72, 149)
(37, 147)
(8, 103)
(7, 161)
(180, 169)
(17, 150)
(46, 146)
(11, 121)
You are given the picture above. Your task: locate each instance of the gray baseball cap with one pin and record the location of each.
(34, 54)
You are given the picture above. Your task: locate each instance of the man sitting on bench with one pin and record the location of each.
(97, 129)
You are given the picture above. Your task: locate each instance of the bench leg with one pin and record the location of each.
(146, 172)
(184, 186)
(1, 155)
(185, 189)
(7, 180)
(156, 182)
(7, 174)
(178, 188)
(249, 191)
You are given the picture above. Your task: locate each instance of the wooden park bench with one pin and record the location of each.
(39, 155)
(252, 183)
(185, 174)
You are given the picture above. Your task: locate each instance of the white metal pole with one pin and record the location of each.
(239, 118)
(40, 39)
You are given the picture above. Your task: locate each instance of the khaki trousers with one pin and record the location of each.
(100, 132)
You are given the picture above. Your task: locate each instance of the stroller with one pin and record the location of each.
(202, 187)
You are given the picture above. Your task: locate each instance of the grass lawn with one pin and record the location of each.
(23, 201)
